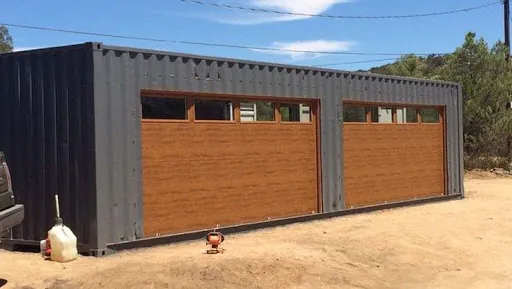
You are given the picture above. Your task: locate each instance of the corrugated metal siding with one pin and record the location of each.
(460, 148)
(120, 74)
(47, 133)
(118, 153)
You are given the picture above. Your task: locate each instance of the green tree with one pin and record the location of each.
(414, 66)
(6, 44)
(486, 78)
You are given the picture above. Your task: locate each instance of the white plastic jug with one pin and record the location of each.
(63, 243)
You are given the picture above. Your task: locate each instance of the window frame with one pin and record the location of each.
(439, 115)
(156, 120)
(190, 102)
(274, 105)
(298, 102)
(218, 121)
(408, 123)
(393, 114)
(366, 114)
(368, 110)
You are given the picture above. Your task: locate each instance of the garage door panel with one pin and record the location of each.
(208, 174)
(392, 162)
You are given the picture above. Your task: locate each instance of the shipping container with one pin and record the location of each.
(148, 147)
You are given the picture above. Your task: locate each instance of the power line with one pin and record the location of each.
(207, 43)
(357, 62)
(245, 8)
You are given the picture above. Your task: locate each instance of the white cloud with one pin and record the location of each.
(16, 49)
(298, 6)
(312, 45)
(253, 19)
(289, 6)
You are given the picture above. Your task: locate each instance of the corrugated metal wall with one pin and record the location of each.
(120, 74)
(118, 79)
(47, 133)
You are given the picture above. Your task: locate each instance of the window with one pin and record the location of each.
(207, 109)
(429, 115)
(163, 108)
(382, 114)
(354, 113)
(294, 112)
(305, 113)
(407, 115)
(257, 111)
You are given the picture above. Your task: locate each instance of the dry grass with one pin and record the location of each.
(488, 174)
(456, 244)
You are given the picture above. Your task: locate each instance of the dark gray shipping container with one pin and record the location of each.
(70, 124)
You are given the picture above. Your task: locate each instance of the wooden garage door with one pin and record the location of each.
(209, 162)
(392, 153)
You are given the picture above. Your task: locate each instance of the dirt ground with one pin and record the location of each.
(456, 244)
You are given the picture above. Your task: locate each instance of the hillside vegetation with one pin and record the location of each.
(486, 77)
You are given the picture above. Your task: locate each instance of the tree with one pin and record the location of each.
(414, 66)
(6, 44)
(486, 79)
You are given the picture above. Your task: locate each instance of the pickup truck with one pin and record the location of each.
(11, 214)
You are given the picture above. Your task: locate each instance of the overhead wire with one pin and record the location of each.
(363, 61)
(263, 10)
(224, 45)
(357, 62)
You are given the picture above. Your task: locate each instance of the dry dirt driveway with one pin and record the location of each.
(456, 244)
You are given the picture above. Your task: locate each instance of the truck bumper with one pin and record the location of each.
(11, 217)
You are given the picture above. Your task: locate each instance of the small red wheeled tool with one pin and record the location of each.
(46, 248)
(214, 239)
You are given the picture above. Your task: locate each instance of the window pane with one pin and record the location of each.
(429, 115)
(382, 114)
(354, 114)
(295, 112)
(207, 109)
(407, 115)
(305, 113)
(400, 115)
(163, 108)
(257, 111)
(411, 115)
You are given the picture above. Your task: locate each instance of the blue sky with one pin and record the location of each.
(174, 20)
